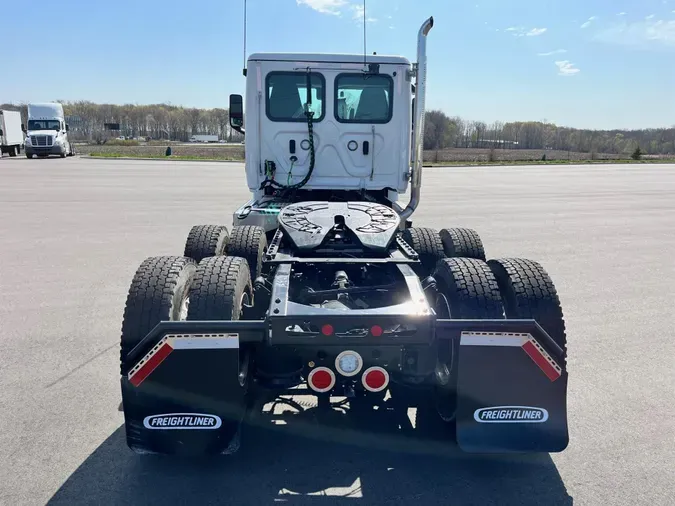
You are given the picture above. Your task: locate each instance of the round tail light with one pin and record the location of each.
(375, 379)
(321, 379)
(349, 363)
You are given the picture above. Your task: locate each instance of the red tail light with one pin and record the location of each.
(327, 329)
(321, 379)
(375, 379)
(376, 330)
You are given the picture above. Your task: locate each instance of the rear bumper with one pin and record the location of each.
(509, 390)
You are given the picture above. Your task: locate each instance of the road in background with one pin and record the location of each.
(74, 231)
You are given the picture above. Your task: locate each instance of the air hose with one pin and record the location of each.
(270, 166)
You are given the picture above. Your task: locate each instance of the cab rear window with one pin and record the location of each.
(287, 95)
(363, 98)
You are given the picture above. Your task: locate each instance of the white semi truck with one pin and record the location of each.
(11, 137)
(47, 132)
(204, 138)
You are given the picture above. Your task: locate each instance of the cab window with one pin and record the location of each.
(287, 95)
(363, 98)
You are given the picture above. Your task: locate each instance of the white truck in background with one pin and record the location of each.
(204, 138)
(47, 132)
(11, 136)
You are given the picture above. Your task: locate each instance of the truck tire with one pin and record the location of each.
(159, 291)
(528, 293)
(428, 245)
(248, 242)
(462, 242)
(467, 289)
(205, 241)
(29, 156)
(220, 290)
(13, 150)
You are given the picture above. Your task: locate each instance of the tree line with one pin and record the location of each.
(442, 132)
(87, 121)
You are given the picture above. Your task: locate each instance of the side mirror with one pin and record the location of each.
(237, 113)
(67, 127)
(23, 128)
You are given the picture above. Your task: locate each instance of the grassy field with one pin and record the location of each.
(447, 157)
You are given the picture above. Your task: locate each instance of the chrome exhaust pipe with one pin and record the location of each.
(418, 128)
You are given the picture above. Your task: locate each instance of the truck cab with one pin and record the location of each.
(47, 132)
(330, 125)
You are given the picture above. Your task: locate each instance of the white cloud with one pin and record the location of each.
(588, 23)
(647, 34)
(621, 14)
(357, 14)
(519, 31)
(651, 16)
(551, 53)
(332, 7)
(566, 68)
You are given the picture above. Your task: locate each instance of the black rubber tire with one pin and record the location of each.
(470, 288)
(157, 292)
(13, 150)
(206, 241)
(529, 293)
(428, 245)
(219, 286)
(248, 242)
(471, 292)
(29, 156)
(462, 242)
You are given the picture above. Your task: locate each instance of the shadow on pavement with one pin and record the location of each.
(302, 458)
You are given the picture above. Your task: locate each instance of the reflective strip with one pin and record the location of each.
(203, 341)
(171, 342)
(542, 359)
(150, 362)
(492, 339)
(528, 343)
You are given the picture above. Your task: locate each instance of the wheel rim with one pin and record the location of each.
(184, 307)
(443, 391)
(244, 357)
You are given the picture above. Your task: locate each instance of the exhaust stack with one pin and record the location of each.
(418, 127)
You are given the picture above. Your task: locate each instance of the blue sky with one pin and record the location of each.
(583, 63)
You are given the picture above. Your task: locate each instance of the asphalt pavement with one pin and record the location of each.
(73, 231)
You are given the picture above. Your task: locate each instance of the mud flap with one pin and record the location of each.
(184, 395)
(511, 391)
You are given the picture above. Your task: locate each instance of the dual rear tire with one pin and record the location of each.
(469, 288)
(174, 289)
(433, 246)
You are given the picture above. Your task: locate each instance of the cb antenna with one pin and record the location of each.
(244, 38)
(364, 33)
